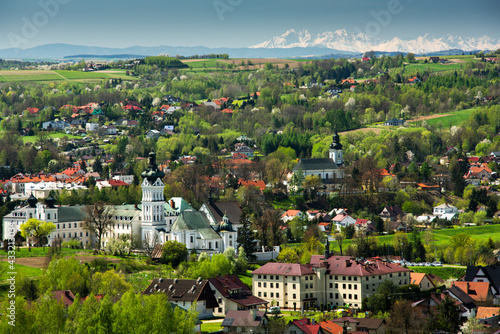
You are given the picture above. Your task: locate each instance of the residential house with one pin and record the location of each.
(245, 322)
(186, 292)
(488, 316)
(444, 209)
(391, 213)
(490, 274)
(110, 130)
(66, 296)
(365, 226)
(291, 214)
(394, 122)
(467, 304)
(303, 326)
(343, 220)
(51, 125)
(354, 325)
(232, 294)
(479, 291)
(414, 80)
(153, 134)
(93, 127)
(423, 281)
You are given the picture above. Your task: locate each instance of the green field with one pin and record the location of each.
(59, 75)
(33, 139)
(441, 237)
(208, 63)
(27, 271)
(432, 67)
(455, 118)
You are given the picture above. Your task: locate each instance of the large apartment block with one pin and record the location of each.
(333, 280)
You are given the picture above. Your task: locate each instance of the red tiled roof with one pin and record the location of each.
(289, 269)
(329, 326)
(260, 184)
(306, 326)
(231, 282)
(117, 183)
(477, 290)
(33, 110)
(227, 111)
(487, 312)
(290, 213)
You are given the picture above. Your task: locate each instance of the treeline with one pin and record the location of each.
(164, 62)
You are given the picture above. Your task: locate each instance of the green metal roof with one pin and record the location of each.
(190, 220)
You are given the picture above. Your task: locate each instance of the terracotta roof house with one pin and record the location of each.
(479, 291)
(422, 280)
(490, 274)
(343, 220)
(330, 327)
(303, 326)
(291, 214)
(248, 321)
(488, 315)
(259, 184)
(185, 292)
(232, 294)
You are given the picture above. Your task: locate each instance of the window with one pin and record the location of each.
(350, 296)
(265, 276)
(293, 286)
(331, 277)
(307, 296)
(64, 225)
(210, 247)
(311, 286)
(277, 285)
(293, 278)
(336, 285)
(343, 278)
(260, 294)
(48, 215)
(350, 287)
(259, 284)
(307, 277)
(390, 275)
(336, 277)
(355, 278)
(331, 285)
(343, 286)
(355, 286)
(271, 277)
(86, 234)
(367, 279)
(336, 296)
(399, 274)
(81, 234)
(265, 294)
(271, 285)
(277, 294)
(258, 276)
(265, 285)
(368, 286)
(216, 244)
(349, 278)
(294, 296)
(355, 296)
(220, 309)
(331, 295)
(380, 277)
(343, 295)
(272, 294)
(191, 239)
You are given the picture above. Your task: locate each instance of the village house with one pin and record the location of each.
(232, 294)
(245, 322)
(185, 292)
(423, 281)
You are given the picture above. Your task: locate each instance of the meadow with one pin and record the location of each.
(33, 139)
(58, 75)
(456, 118)
(431, 67)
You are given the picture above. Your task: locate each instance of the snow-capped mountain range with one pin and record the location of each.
(359, 42)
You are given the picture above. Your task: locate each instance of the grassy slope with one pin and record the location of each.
(441, 237)
(36, 75)
(455, 119)
(32, 139)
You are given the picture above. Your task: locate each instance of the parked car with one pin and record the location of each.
(274, 309)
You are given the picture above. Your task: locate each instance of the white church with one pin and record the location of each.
(327, 169)
(155, 219)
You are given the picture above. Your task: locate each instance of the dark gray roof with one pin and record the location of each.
(315, 164)
(70, 214)
(231, 209)
(462, 295)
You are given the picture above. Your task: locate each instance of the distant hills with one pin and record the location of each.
(291, 44)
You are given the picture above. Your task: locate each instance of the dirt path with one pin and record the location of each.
(423, 118)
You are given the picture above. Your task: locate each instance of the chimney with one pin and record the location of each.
(313, 321)
(172, 204)
(347, 262)
(468, 286)
(254, 314)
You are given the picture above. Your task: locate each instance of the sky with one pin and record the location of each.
(234, 23)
